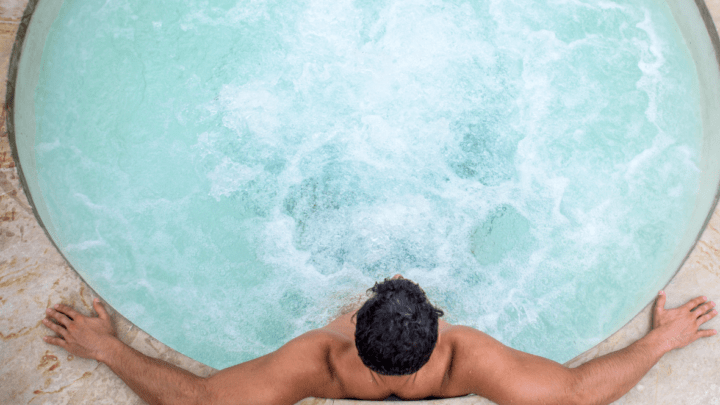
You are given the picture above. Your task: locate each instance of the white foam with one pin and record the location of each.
(253, 107)
(229, 177)
(44, 147)
(277, 246)
(652, 60)
(88, 244)
(646, 157)
(609, 5)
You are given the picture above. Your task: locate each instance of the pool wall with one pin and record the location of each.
(701, 36)
(22, 122)
(690, 19)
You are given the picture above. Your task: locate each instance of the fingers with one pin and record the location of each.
(706, 333)
(100, 309)
(708, 316)
(660, 302)
(54, 327)
(58, 316)
(694, 303)
(55, 341)
(703, 308)
(69, 311)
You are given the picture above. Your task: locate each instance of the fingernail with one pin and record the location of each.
(57, 306)
(48, 310)
(661, 292)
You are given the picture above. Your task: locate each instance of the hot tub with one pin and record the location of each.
(188, 309)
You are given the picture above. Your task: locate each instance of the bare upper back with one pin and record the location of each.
(358, 381)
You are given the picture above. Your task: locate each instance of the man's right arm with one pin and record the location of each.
(299, 369)
(507, 376)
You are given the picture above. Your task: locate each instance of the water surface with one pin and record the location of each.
(228, 174)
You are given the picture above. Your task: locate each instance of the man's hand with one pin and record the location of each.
(155, 381)
(80, 335)
(680, 326)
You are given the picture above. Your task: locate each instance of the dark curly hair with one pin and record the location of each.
(397, 328)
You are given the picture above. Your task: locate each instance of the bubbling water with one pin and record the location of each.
(228, 175)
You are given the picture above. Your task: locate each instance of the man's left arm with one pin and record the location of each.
(293, 372)
(507, 376)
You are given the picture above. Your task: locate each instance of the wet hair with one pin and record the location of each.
(397, 328)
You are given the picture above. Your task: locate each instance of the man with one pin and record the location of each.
(394, 344)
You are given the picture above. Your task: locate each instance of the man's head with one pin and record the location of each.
(397, 328)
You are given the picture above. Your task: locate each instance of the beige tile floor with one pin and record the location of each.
(33, 276)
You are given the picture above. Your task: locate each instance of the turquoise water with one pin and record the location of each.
(228, 174)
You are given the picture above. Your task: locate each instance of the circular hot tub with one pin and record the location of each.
(229, 175)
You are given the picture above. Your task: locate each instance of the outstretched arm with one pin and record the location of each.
(293, 372)
(508, 376)
(609, 377)
(155, 381)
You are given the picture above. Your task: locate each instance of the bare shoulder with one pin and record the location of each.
(484, 366)
(314, 352)
(466, 340)
(319, 337)
(471, 348)
(461, 345)
(301, 368)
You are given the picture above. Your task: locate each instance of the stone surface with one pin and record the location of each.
(10, 14)
(34, 276)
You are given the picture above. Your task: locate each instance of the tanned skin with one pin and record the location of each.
(325, 363)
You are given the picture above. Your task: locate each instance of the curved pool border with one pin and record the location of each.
(709, 122)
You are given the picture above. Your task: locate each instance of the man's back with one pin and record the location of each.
(465, 361)
(357, 381)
